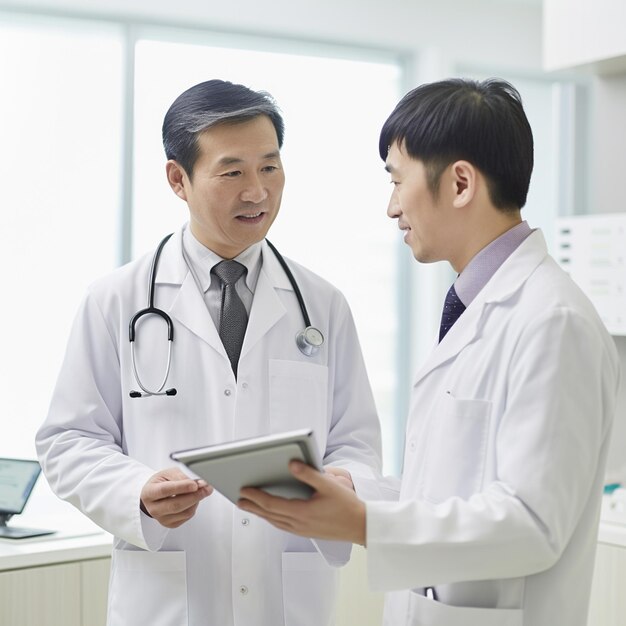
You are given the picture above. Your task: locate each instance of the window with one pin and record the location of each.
(60, 137)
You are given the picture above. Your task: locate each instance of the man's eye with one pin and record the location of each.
(270, 168)
(232, 174)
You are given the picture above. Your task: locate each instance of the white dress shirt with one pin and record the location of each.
(201, 261)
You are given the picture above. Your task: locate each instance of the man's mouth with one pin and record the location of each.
(251, 217)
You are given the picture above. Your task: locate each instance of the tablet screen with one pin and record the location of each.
(261, 462)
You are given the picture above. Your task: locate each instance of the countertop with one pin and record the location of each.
(83, 540)
(79, 540)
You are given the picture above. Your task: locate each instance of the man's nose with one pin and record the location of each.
(393, 208)
(254, 191)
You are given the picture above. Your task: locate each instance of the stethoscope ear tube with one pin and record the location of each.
(152, 310)
(146, 391)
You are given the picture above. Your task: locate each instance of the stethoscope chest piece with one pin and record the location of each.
(309, 340)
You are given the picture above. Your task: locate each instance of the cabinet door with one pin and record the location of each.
(356, 603)
(608, 601)
(95, 591)
(41, 596)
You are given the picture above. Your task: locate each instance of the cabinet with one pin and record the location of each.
(75, 594)
(66, 594)
(608, 601)
(357, 604)
(61, 580)
(579, 33)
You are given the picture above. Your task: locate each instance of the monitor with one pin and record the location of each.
(17, 479)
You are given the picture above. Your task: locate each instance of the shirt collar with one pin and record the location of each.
(485, 264)
(203, 260)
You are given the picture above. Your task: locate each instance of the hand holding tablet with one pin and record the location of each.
(261, 462)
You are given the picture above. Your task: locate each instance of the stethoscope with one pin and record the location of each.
(309, 340)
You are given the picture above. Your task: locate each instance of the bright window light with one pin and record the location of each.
(60, 158)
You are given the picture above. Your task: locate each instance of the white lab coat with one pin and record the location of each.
(505, 452)
(98, 447)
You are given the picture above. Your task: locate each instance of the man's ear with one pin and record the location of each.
(464, 180)
(177, 178)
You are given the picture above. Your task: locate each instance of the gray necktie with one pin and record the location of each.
(233, 315)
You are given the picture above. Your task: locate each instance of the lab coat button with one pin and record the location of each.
(245, 521)
(244, 385)
(243, 590)
(227, 392)
(412, 445)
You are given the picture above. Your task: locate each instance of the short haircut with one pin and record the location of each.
(480, 122)
(208, 104)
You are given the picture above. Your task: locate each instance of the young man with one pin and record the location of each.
(511, 414)
(183, 554)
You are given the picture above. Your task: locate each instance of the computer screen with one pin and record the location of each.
(17, 479)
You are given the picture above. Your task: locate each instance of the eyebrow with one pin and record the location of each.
(233, 160)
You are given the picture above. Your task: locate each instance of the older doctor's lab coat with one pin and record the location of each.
(504, 461)
(98, 447)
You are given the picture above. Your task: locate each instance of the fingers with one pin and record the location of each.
(333, 512)
(308, 475)
(172, 498)
(283, 521)
(264, 501)
(341, 476)
(174, 510)
(159, 490)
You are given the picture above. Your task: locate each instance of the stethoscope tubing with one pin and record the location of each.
(292, 280)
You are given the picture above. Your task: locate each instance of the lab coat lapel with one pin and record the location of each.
(188, 306)
(190, 309)
(460, 335)
(267, 307)
(504, 283)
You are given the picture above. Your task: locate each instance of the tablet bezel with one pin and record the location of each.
(304, 439)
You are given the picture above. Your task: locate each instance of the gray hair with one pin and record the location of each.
(208, 104)
(199, 122)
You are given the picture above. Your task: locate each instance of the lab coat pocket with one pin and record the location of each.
(148, 588)
(309, 589)
(298, 396)
(456, 449)
(424, 611)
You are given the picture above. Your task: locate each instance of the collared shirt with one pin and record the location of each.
(485, 264)
(202, 260)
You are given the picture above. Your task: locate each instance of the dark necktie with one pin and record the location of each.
(452, 310)
(233, 315)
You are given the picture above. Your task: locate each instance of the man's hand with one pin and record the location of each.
(333, 512)
(171, 497)
(340, 475)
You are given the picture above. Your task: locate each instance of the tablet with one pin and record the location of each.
(261, 462)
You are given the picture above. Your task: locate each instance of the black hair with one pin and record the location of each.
(208, 104)
(480, 122)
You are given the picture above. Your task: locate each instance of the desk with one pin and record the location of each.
(56, 580)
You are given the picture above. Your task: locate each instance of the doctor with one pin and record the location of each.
(183, 554)
(506, 442)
